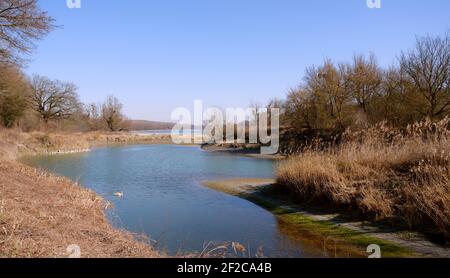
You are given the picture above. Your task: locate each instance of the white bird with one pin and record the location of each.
(118, 194)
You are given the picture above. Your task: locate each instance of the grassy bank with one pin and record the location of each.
(382, 174)
(41, 214)
(14, 143)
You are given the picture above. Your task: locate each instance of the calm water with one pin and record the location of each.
(164, 198)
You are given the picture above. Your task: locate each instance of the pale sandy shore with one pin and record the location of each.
(250, 152)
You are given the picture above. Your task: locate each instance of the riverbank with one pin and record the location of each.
(34, 199)
(382, 174)
(14, 143)
(241, 149)
(41, 215)
(338, 235)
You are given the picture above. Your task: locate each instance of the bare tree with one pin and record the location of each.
(428, 67)
(92, 116)
(364, 80)
(53, 99)
(256, 110)
(13, 92)
(330, 84)
(112, 113)
(274, 103)
(21, 22)
(299, 111)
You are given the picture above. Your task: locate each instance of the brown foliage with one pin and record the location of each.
(382, 173)
(361, 94)
(112, 114)
(14, 91)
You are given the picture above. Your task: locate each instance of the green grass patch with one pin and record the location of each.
(347, 238)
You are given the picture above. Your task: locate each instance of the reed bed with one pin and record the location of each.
(401, 176)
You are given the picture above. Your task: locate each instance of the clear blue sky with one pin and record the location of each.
(156, 55)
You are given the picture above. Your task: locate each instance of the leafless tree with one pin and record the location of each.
(256, 110)
(112, 113)
(92, 111)
(364, 80)
(21, 22)
(428, 67)
(330, 84)
(299, 111)
(92, 115)
(274, 103)
(53, 99)
(13, 92)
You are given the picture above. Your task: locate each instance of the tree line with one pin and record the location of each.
(332, 96)
(38, 101)
(336, 96)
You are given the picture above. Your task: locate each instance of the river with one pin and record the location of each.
(163, 197)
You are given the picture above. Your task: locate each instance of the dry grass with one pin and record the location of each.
(103, 138)
(41, 215)
(14, 143)
(382, 173)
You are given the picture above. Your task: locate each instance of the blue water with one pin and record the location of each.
(164, 198)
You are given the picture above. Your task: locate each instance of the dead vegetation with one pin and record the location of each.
(382, 173)
(14, 142)
(41, 215)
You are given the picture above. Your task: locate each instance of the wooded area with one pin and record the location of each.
(361, 93)
(331, 98)
(38, 102)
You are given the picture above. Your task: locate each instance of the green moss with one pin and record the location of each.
(358, 241)
(333, 238)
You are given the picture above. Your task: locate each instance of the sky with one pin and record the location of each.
(158, 55)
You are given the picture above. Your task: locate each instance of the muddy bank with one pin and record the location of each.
(241, 149)
(335, 233)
